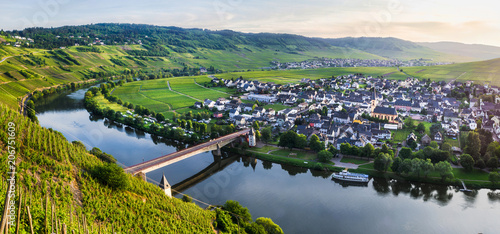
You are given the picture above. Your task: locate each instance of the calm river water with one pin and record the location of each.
(299, 200)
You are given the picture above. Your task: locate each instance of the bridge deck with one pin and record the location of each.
(163, 159)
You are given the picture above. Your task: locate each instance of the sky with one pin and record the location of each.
(471, 22)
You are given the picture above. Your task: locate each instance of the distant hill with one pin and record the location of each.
(395, 48)
(480, 52)
(483, 72)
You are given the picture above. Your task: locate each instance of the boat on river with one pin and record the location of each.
(352, 177)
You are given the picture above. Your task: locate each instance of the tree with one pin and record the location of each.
(382, 162)
(473, 146)
(315, 144)
(396, 164)
(324, 156)
(287, 139)
(301, 141)
(255, 125)
(345, 148)
(254, 106)
(255, 228)
(269, 225)
(405, 153)
(421, 127)
(203, 128)
(492, 163)
(239, 213)
(160, 117)
(494, 177)
(427, 167)
(434, 145)
(334, 151)
(368, 150)
(467, 162)
(387, 150)
(446, 147)
(480, 164)
(409, 123)
(445, 170)
(493, 149)
(405, 166)
(416, 166)
(258, 135)
(266, 134)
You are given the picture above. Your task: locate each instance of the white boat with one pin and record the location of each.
(353, 177)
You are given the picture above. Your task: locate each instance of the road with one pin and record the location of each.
(5, 58)
(168, 157)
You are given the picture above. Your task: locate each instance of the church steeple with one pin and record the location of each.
(374, 101)
(165, 186)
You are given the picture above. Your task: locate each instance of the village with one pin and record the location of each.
(349, 62)
(359, 110)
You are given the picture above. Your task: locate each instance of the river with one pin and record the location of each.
(299, 200)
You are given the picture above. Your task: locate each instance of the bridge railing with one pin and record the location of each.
(139, 167)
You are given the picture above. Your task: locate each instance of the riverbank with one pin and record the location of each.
(368, 169)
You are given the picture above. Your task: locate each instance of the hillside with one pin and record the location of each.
(58, 183)
(396, 49)
(480, 52)
(482, 71)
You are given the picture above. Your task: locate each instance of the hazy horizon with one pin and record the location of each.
(423, 21)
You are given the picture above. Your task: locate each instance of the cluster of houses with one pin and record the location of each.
(19, 41)
(342, 62)
(337, 109)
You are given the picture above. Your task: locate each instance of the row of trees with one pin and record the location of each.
(415, 167)
(368, 150)
(291, 139)
(481, 147)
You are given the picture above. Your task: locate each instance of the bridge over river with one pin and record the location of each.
(162, 161)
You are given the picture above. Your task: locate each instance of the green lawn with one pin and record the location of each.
(295, 154)
(276, 107)
(400, 135)
(353, 160)
(265, 149)
(475, 174)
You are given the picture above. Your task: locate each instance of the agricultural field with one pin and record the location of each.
(483, 71)
(294, 76)
(156, 95)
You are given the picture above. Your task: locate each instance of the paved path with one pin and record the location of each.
(5, 58)
(346, 165)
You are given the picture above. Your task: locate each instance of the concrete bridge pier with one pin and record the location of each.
(217, 152)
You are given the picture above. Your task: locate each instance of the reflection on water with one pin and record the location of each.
(298, 199)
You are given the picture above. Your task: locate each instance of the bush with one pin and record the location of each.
(187, 198)
(324, 156)
(111, 175)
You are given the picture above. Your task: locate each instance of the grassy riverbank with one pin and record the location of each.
(475, 179)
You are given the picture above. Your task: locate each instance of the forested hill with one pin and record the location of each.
(178, 39)
(391, 47)
(162, 40)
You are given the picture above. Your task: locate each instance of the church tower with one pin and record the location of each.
(165, 186)
(374, 101)
(251, 138)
